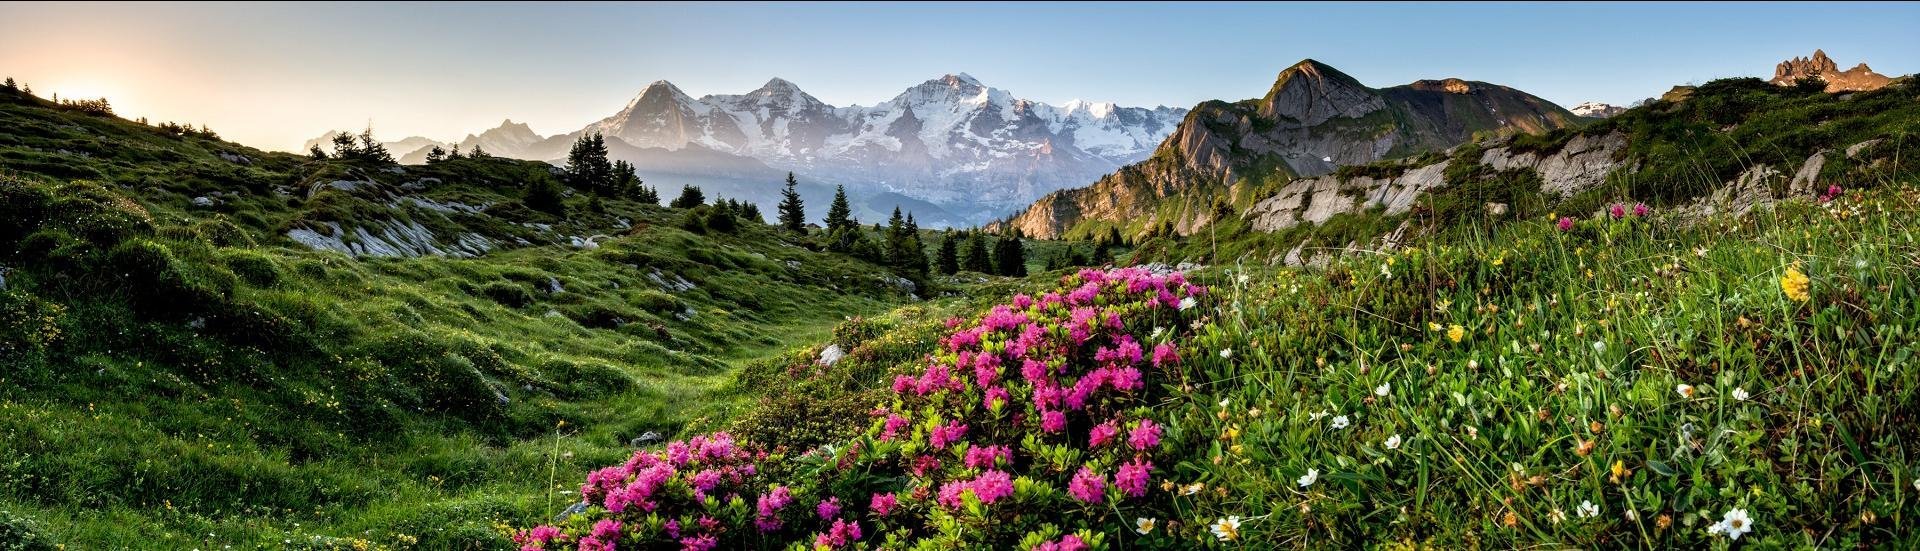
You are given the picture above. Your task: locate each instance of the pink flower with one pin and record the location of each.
(995, 397)
(605, 534)
(902, 383)
(1126, 379)
(1618, 211)
(1053, 421)
(770, 504)
(1067, 542)
(842, 533)
(925, 464)
(703, 542)
(941, 437)
(828, 508)
(538, 537)
(1102, 434)
(1033, 370)
(1639, 209)
(892, 429)
(987, 456)
(1088, 486)
(1165, 353)
(1566, 223)
(1144, 436)
(989, 487)
(883, 503)
(1022, 301)
(1133, 477)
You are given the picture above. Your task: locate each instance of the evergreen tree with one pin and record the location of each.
(1113, 237)
(977, 258)
(690, 196)
(897, 240)
(317, 154)
(370, 150)
(10, 85)
(751, 212)
(1009, 255)
(477, 153)
(344, 146)
(587, 167)
(1102, 253)
(721, 218)
(544, 194)
(916, 251)
(454, 154)
(949, 262)
(839, 214)
(793, 213)
(647, 194)
(625, 181)
(436, 155)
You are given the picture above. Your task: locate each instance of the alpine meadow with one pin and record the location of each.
(1389, 305)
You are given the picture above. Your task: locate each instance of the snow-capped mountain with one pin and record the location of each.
(974, 151)
(1594, 109)
(951, 141)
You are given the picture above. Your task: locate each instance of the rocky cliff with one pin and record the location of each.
(1858, 78)
(1313, 120)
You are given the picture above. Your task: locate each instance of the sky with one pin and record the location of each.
(275, 75)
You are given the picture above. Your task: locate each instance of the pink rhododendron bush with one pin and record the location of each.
(1029, 427)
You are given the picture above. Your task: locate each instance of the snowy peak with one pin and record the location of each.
(1597, 110)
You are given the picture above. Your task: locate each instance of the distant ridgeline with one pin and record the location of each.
(1322, 162)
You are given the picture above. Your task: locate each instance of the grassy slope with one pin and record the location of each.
(179, 376)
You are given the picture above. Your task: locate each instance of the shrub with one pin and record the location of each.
(1028, 419)
(254, 268)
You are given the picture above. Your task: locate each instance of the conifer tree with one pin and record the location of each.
(344, 146)
(477, 153)
(10, 85)
(1009, 255)
(793, 212)
(949, 262)
(647, 194)
(317, 154)
(916, 251)
(370, 150)
(839, 213)
(897, 240)
(436, 154)
(625, 181)
(690, 196)
(587, 167)
(977, 258)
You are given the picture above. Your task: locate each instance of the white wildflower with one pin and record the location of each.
(1307, 479)
(1341, 422)
(1393, 442)
(1587, 509)
(1227, 529)
(1383, 390)
(1740, 394)
(1143, 525)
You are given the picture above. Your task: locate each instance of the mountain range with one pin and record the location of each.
(960, 151)
(1313, 120)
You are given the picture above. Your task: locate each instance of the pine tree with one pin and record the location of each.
(454, 155)
(690, 196)
(477, 153)
(977, 258)
(1009, 255)
(916, 251)
(317, 154)
(10, 85)
(344, 146)
(625, 181)
(751, 211)
(897, 240)
(839, 213)
(436, 155)
(793, 212)
(647, 194)
(370, 150)
(544, 194)
(587, 167)
(949, 263)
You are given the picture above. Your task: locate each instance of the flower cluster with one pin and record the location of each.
(1032, 411)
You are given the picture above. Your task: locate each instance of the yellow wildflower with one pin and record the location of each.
(1795, 284)
(1456, 332)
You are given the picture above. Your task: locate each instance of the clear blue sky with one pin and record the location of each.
(273, 75)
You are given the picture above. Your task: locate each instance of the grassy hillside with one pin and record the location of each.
(178, 374)
(1637, 382)
(1680, 152)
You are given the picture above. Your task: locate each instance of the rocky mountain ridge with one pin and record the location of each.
(1313, 120)
(1855, 79)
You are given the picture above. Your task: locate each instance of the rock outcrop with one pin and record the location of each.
(1313, 120)
(1857, 79)
(1597, 110)
(1581, 164)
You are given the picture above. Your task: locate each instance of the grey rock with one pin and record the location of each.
(553, 285)
(1855, 149)
(577, 508)
(203, 201)
(831, 355)
(645, 438)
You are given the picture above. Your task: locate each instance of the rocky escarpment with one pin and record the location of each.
(1858, 78)
(1582, 163)
(1313, 120)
